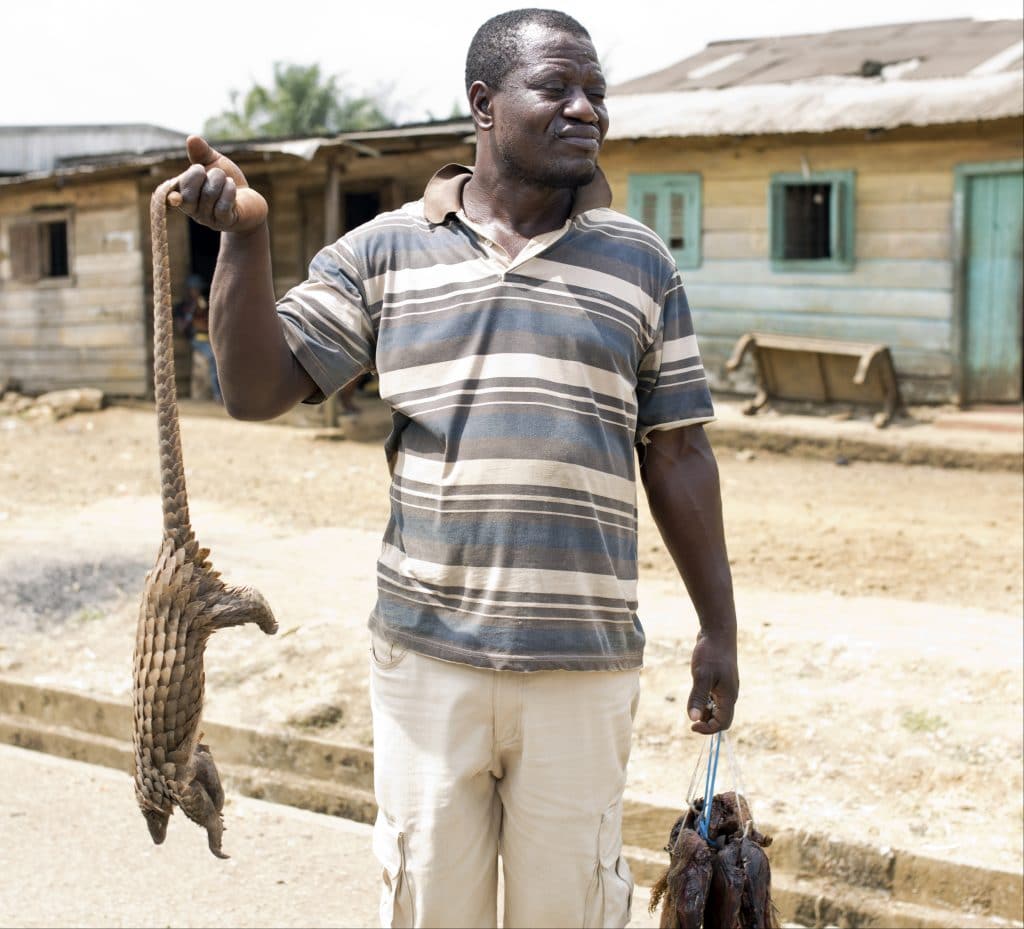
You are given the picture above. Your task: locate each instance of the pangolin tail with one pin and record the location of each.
(177, 525)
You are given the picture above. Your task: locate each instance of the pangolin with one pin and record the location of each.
(183, 604)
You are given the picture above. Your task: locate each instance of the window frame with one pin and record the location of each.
(693, 221)
(38, 220)
(842, 228)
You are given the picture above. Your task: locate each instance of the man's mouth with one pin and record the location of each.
(587, 140)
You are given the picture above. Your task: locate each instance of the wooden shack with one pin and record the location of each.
(75, 266)
(859, 185)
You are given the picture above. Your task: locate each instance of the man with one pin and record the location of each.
(528, 339)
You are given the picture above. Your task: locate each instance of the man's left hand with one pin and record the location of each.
(716, 684)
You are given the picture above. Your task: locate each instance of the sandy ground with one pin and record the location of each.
(880, 609)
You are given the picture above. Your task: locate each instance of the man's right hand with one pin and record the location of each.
(215, 193)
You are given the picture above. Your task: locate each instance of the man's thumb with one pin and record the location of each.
(199, 151)
(700, 695)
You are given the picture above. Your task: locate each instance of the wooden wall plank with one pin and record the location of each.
(62, 354)
(101, 335)
(911, 245)
(836, 300)
(901, 216)
(126, 312)
(894, 274)
(743, 246)
(752, 218)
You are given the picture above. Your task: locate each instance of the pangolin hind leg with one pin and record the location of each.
(206, 774)
(199, 806)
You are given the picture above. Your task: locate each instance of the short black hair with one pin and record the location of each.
(497, 48)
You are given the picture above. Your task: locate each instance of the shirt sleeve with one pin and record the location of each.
(672, 388)
(326, 321)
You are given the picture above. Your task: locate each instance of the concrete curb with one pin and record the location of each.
(817, 880)
(831, 445)
(808, 436)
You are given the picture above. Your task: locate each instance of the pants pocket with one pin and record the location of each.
(610, 900)
(396, 910)
(384, 654)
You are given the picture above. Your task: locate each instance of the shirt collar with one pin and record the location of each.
(443, 194)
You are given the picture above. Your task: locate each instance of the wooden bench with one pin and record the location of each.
(791, 367)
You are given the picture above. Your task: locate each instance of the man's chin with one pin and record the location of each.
(560, 174)
(569, 175)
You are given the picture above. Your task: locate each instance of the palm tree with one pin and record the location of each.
(300, 102)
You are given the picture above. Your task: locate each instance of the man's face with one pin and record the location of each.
(549, 117)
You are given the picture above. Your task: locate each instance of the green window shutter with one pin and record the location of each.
(670, 204)
(811, 221)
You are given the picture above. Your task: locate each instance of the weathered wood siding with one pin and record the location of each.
(87, 329)
(297, 200)
(900, 290)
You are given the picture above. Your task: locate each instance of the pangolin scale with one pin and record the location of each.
(183, 604)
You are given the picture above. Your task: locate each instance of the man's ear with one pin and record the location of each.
(481, 103)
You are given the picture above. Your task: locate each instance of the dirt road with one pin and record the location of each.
(880, 609)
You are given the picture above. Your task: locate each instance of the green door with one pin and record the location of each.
(993, 229)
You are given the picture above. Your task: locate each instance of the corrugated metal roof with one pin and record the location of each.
(941, 48)
(30, 149)
(823, 105)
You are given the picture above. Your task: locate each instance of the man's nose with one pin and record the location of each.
(579, 107)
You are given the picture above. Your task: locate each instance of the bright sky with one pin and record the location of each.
(67, 61)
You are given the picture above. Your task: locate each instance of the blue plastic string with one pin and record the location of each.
(709, 785)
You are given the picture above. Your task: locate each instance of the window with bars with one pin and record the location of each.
(811, 221)
(670, 204)
(39, 246)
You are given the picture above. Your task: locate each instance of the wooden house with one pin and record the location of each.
(75, 265)
(863, 185)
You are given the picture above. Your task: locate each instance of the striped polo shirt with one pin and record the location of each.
(519, 389)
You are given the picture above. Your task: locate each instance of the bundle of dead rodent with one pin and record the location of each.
(718, 875)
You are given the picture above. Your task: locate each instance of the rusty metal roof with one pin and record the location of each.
(902, 51)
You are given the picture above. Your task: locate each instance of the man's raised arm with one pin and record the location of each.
(259, 376)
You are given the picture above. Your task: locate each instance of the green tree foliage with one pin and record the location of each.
(301, 101)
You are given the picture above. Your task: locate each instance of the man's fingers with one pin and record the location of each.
(716, 717)
(224, 208)
(190, 183)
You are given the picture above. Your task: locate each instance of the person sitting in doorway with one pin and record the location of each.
(192, 316)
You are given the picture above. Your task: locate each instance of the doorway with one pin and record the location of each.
(989, 281)
(203, 245)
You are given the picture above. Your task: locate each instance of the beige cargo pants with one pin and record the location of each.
(470, 763)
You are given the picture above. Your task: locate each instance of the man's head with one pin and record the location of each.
(536, 93)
